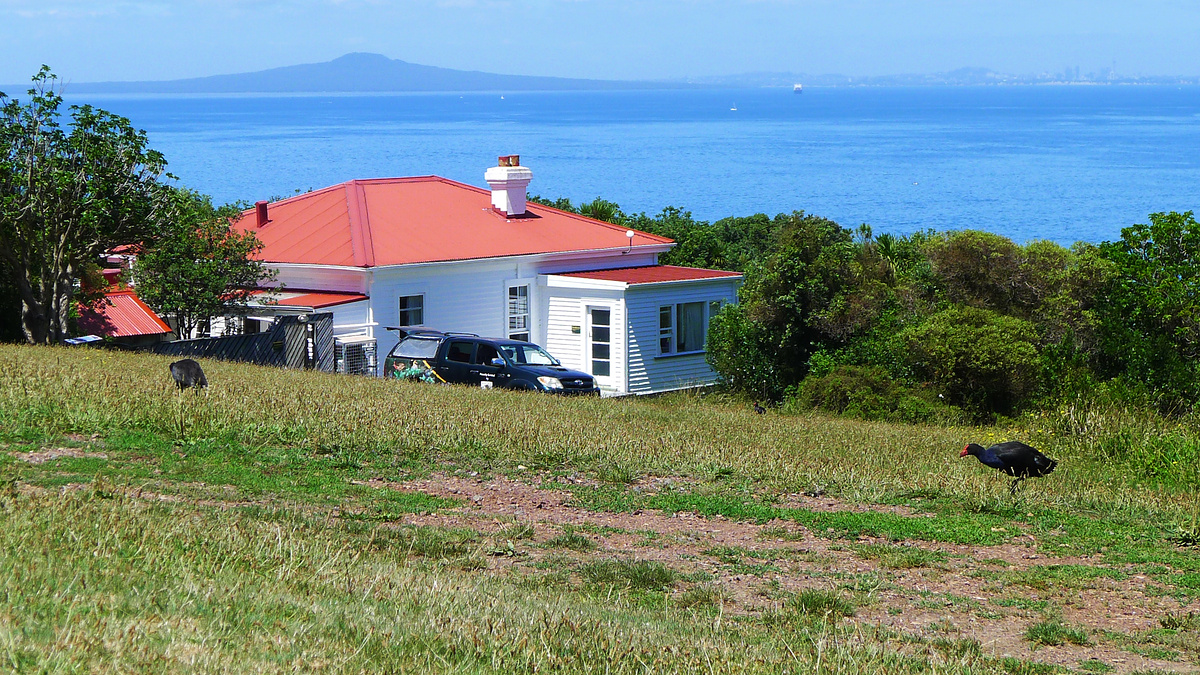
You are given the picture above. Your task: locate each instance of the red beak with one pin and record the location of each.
(964, 452)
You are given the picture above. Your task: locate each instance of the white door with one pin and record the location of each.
(598, 356)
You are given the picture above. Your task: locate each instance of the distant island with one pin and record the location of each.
(362, 73)
(376, 73)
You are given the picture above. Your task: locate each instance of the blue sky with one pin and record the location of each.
(621, 39)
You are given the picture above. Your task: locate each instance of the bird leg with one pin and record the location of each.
(1012, 490)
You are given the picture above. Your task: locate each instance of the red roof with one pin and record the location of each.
(397, 221)
(314, 300)
(120, 314)
(656, 274)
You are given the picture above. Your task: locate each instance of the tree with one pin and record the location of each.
(200, 267)
(982, 360)
(1150, 315)
(67, 195)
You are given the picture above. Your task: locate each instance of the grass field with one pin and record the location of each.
(295, 521)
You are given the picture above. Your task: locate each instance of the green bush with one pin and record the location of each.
(864, 392)
(981, 360)
(739, 351)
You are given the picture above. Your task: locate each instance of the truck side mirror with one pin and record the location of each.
(498, 362)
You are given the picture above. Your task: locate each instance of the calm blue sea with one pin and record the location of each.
(1059, 163)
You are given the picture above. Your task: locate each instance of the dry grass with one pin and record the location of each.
(256, 575)
(58, 391)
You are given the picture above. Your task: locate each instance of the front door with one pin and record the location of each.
(599, 346)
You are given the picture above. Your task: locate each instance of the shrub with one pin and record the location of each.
(864, 392)
(981, 360)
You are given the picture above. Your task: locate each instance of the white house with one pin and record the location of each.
(427, 251)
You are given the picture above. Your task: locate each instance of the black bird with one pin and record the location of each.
(188, 373)
(1013, 458)
(759, 409)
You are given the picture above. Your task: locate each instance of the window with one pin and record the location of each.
(412, 310)
(484, 354)
(666, 329)
(690, 327)
(417, 348)
(529, 355)
(518, 313)
(460, 351)
(683, 328)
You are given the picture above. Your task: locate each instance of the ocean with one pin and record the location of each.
(1064, 163)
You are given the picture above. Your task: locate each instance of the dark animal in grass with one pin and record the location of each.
(759, 409)
(188, 373)
(1013, 458)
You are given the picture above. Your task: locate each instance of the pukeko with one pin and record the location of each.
(1013, 458)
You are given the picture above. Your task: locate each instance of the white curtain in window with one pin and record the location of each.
(691, 326)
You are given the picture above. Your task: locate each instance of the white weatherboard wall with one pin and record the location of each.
(565, 309)
(472, 296)
(648, 370)
(351, 318)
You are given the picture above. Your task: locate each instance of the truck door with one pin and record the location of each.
(458, 364)
(488, 374)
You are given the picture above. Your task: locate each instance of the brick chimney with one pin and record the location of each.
(260, 209)
(509, 181)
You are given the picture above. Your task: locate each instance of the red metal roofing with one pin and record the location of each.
(120, 314)
(397, 221)
(319, 300)
(655, 274)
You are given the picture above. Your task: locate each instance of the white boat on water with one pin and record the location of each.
(797, 89)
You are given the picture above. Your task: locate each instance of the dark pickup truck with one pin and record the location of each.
(459, 358)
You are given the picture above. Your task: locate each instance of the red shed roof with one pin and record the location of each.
(397, 221)
(655, 274)
(120, 314)
(316, 300)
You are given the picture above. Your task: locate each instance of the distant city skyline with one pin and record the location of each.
(107, 40)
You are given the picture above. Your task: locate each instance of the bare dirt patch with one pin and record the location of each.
(49, 454)
(953, 595)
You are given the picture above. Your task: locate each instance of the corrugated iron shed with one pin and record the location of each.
(120, 314)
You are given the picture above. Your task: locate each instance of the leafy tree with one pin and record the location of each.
(740, 350)
(201, 267)
(67, 195)
(1150, 315)
(982, 360)
(979, 269)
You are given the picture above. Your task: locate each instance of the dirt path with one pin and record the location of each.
(756, 566)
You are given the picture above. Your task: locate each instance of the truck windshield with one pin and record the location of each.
(416, 348)
(528, 355)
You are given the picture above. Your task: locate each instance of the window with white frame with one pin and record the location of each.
(683, 327)
(412, 310)
(518, 313)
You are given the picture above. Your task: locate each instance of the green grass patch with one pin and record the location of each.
(1053, 632)
(644, 575)
(819, 603)
(570, 539)
(1047, 577)
(900, 557)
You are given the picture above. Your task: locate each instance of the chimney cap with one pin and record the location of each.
(509, 160)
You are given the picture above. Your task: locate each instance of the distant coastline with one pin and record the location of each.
(361, 73)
